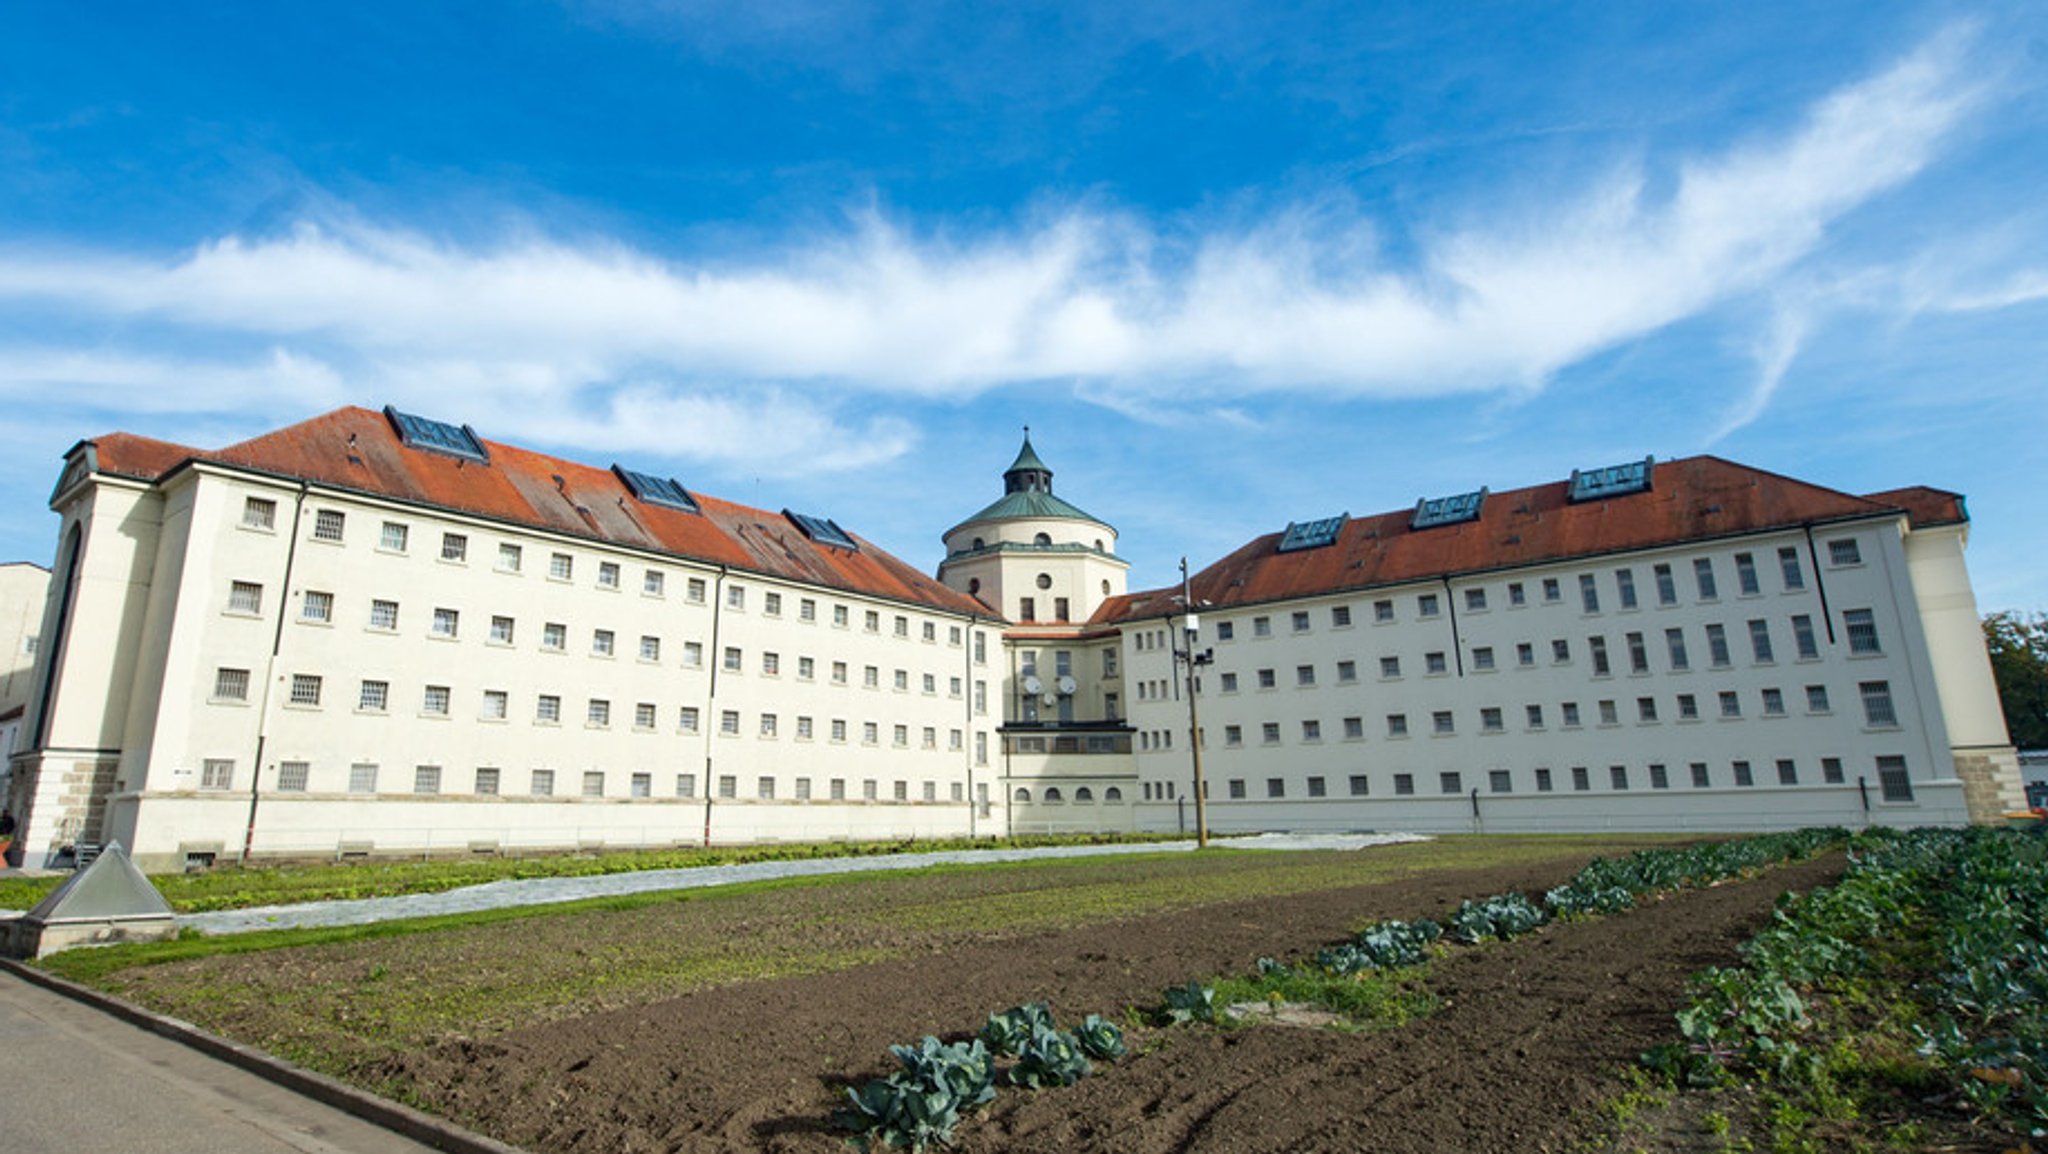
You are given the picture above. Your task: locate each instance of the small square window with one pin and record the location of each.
(394, 537)
(329, 525)
(510, 558)
(607, 575)
(454, 547)
(259, 513)
(1844, 551)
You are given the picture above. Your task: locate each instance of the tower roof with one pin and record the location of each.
(1027, 459)
(1027, 494)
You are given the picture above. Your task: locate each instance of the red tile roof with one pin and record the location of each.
(1697, 498)
(1925, 506)
(357, 449)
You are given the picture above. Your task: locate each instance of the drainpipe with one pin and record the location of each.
(291, 555)
(1863, 789)
(1477, 825)
(1457, 648)
(1820, 583)
(716, 658)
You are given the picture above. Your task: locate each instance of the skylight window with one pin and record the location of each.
(1430, 512)
(417, 432)
(822, 530)
(1312, 534)
(664, 491)
(1612, 481)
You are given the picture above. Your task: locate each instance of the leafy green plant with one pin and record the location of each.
(1006, 1033)
(1100, 1039)
(1503, 916)
(923, 1102)
(1051, 1058)
(1193, 1002)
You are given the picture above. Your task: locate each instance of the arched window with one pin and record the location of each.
(1022, 796)
(974, 585)
(1083, 795)
(1042, 539)
(1112, 795)
(1098, 546)
(980, 544)
(1052, 795)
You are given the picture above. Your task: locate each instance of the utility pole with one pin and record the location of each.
(1191, 630)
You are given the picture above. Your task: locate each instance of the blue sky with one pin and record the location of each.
(1236, 265)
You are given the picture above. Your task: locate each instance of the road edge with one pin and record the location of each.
(397, 1117)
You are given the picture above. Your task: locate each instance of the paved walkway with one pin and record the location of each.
(545, 891)
(76, 1079)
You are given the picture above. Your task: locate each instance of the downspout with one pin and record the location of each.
(1820, 583)
(716, 659)
(284, 597)
(1457, 649)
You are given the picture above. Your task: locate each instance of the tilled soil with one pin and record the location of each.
(1524, 1046)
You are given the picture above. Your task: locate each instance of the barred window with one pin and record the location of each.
(1892, 778)
(217, 773)
(305, 689)
(291, 776)
(328, 525)
(1877, 704)
(1861, 625)
(245, 597)
(374, 696)
(231, 684)
(259, 513)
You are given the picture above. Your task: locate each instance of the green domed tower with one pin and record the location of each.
(1031, 556)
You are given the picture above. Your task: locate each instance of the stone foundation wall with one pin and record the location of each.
(65, 802)
(1991, 782)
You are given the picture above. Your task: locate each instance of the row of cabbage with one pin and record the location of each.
(1974, 900)
(1604, 886)
(941, 1082)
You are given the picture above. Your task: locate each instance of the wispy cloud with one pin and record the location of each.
(1134, 312)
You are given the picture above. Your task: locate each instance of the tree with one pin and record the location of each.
(2019, 663)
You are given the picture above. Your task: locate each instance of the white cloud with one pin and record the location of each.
(1303, 302)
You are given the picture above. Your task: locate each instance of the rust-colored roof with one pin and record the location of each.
(1693, 499)
(357, 449)
(128, 455)
(1925, 506)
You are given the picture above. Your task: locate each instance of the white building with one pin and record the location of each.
(373, 633)
(22, 587)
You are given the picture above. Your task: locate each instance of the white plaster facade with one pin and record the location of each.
(250, 660)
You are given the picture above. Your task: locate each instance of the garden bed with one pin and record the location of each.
(1527, 1040)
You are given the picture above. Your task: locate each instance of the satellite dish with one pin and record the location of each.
(1032, 684)
(1050, 699)
(1066, 686)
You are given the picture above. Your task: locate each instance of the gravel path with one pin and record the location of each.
(546, 891)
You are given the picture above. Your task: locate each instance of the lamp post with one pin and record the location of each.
(1191, 630)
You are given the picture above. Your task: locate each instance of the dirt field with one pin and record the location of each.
(1518, 1056)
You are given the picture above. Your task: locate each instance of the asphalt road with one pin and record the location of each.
(75, 1079)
